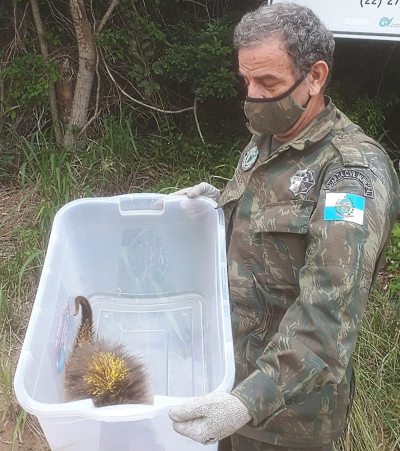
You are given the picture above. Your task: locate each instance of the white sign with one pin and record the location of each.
(365, 19)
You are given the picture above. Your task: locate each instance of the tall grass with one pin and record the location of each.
(20, 261)
(42, 178)
(375, 419)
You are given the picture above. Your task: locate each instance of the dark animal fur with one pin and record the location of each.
(86, 330)
(133, 389)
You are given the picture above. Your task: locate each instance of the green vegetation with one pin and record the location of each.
(47, 178)
(375, 419)
(169, 56)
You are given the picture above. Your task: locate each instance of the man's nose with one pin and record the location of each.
(255, 91)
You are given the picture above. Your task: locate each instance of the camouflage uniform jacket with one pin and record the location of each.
(307, 228)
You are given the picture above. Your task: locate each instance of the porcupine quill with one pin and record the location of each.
(103, 371)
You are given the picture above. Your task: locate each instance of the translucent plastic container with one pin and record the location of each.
(154, 270)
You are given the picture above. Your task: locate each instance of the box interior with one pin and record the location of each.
(153, 281)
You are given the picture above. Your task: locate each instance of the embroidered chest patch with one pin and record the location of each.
(344, 207)
(302, 181)
(352, 174)
(250, 158)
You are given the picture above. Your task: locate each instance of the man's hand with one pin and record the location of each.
(202, 189)
(210, 418)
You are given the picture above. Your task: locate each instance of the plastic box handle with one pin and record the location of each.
(141, 204)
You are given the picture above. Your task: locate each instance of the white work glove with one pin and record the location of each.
(210, 418)
(202, 189)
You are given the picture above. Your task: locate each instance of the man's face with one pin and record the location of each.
(267, 71)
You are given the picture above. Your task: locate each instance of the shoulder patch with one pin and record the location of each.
(344, 207)
(351, 174)
(250, 158)
(350, 149)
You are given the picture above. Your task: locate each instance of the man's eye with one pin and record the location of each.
(269, 85)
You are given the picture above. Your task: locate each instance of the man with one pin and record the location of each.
(308, 213)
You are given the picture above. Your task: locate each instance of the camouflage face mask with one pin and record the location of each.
(274, 115)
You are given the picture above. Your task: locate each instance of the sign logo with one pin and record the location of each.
(302, 181)
(385, 21)
(250, 158)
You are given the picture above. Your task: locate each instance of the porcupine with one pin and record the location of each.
(103, 371)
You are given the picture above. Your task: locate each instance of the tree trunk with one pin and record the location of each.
(86, 69)
(64, 91)
(43, 48)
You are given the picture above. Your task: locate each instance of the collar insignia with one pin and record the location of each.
(302, 181)
(250, 158)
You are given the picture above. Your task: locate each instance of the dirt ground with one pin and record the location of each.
(28, 441)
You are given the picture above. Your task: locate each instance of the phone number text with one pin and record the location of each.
(378, 3)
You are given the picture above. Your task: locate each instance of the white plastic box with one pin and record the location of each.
(154, 270)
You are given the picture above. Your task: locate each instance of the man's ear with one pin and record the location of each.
(317, 77)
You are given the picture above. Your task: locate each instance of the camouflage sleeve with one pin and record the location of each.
(318, 333)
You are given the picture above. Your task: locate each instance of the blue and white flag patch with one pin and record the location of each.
(344, 207)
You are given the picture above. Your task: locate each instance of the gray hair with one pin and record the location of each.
(306, 38)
